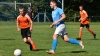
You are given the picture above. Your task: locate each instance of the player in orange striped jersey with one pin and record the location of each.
(24, 23)
(84, 22)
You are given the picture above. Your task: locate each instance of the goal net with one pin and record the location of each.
(9, 10)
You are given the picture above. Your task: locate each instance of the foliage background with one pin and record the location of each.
(71, 9)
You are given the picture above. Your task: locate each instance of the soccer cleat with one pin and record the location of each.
(50, 52)
(33, 49)
(36, 50)
(81, 44)
(78, 38)
(94, 36)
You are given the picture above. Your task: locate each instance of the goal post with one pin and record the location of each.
(62, 3)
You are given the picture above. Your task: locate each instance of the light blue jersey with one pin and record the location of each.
(56, 15)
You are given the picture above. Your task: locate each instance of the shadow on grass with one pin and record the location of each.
(75, 52)
(7, 39)
(41, 50)
(78, 51)
(93, 39)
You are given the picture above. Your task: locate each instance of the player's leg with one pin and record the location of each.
(90, 30)
(25, 40)
(32, 44)
(58, 31)
(24, 36)
(54, 44)
(71, 40)
(80, 32)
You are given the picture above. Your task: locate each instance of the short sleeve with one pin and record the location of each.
(29, 19)
(61, 11)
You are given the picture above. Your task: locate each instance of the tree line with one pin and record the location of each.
(70, 7)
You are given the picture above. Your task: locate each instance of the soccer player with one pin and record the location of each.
(30, 12)
(58, 21)
(84, 23)
(24, 24)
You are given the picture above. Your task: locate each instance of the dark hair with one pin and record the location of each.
(81, 6)
(21, 8)
(54, 1)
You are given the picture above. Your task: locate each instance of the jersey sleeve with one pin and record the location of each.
(29, 19)
(61, 11)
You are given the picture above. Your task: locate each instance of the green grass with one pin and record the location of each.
(10, 40)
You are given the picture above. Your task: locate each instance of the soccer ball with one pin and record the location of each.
(17, 52)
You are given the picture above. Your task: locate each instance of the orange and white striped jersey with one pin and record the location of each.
(84, 17)
(24, 21)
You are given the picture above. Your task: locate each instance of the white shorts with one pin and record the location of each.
(61, 30)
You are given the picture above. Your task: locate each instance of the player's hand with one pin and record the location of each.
(79, 20)
(51, 26)
(18, 29)
(31, 28)
(54, 23)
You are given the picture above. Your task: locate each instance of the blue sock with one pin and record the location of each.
(73, 41)
(54, 44)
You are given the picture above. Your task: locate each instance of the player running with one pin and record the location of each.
(84, 22)
(58, 20)
(24, 23)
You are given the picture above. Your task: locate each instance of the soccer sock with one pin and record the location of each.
(54, 44)
(91, 31)
(73, 41)
(80, 34)
(34, 46)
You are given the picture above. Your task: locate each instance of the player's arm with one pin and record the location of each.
(31, 23)
(18, 26)
(63, 16)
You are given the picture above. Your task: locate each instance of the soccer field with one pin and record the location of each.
(10, 39)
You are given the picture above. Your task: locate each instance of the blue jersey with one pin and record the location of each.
(56, 15)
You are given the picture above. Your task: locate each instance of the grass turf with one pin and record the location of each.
(10, 39)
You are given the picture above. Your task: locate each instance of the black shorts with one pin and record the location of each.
(87, 25)
(26, 33)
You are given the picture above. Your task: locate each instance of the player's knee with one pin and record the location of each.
(66, 40)
(29, 38)
(55, 36)
(25, 40)
(81, 28)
